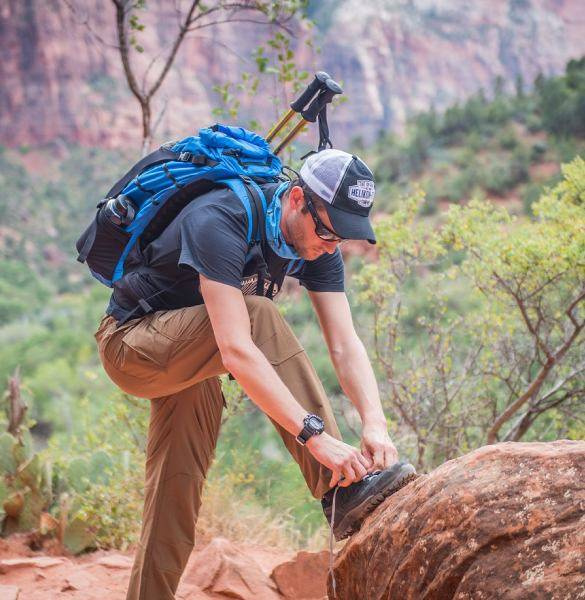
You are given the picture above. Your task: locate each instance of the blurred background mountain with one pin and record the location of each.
(62, 79)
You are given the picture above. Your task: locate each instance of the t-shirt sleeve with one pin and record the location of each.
(324, 274)
(213, 242)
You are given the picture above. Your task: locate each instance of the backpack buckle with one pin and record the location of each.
(199, 160)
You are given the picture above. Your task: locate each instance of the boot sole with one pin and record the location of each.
(352, 522)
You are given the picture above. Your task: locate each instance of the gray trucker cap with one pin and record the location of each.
(346, 185)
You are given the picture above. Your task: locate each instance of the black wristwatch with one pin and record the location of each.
(313, 425)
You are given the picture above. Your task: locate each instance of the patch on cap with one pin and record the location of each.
(363, 192)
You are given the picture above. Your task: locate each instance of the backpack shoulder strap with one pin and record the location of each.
(252, 197)
(259, 201)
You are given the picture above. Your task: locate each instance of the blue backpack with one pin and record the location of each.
(160, 185)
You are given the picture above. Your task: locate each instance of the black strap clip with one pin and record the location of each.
(199, 160)
(145, 306)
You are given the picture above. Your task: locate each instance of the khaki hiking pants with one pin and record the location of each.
(171, 357)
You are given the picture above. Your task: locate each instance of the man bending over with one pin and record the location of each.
(212, 314)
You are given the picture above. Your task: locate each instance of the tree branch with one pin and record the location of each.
(572, 307)
(534, 386)
(522, 307)
(124, 47)
(515, 406)
(178, 41)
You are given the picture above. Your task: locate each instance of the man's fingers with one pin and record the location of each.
(366, 453)
(334, 478)
(365, 460)
(371, 463)
(379, 460)
(360, 470)
(349, 476)
(391, 456)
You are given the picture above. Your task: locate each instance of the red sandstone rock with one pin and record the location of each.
(191, 592)
(40, 562)
(9, 592)
(116, 561)
(221, 568)
(304, 577)
(80, 579)
(505, 521)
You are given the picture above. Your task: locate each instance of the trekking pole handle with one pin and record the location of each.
(297, 106)
(315, 86)
(330, 90)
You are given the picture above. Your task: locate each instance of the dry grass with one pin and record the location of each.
(238, 517)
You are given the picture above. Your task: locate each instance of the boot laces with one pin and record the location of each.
(331, 572)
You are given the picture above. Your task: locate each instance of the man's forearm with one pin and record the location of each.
(357, 380)
(265, 388)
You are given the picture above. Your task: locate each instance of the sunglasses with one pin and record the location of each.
(321, 229)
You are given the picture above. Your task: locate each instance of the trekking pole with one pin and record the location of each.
(299, 104)
(326, 95)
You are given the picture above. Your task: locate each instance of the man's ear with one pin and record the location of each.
(296, 197)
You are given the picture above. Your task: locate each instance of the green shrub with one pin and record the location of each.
(507, 139)
(537, 151)
(530, 195)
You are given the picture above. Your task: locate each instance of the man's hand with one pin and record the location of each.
(344, 460)
(377, 447)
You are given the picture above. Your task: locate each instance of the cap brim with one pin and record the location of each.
(349, 225)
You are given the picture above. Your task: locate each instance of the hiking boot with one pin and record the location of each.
(356, 501)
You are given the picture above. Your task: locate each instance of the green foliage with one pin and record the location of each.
(56, 354)
(478, 145)
(136, 25)
(24, 492)
(274, 60)
(531, 194)
(8, 463)
(252, 462)
(501, 364)
(561, 101)
(537, 251)
(507, 139)
(78, 536)
(450, 342)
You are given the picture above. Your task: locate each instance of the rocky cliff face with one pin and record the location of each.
(394, 57)
(504, 521)
(404, 56)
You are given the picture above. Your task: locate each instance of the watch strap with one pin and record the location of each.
(308, 431)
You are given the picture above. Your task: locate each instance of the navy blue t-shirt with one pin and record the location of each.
(209, 236)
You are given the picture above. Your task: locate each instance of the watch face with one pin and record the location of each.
(315, 423)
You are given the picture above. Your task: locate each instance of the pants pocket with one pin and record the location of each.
(277, 348)
(149, 345)
(183, 324)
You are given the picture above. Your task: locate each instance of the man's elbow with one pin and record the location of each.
(235, 356)
(340, 353)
